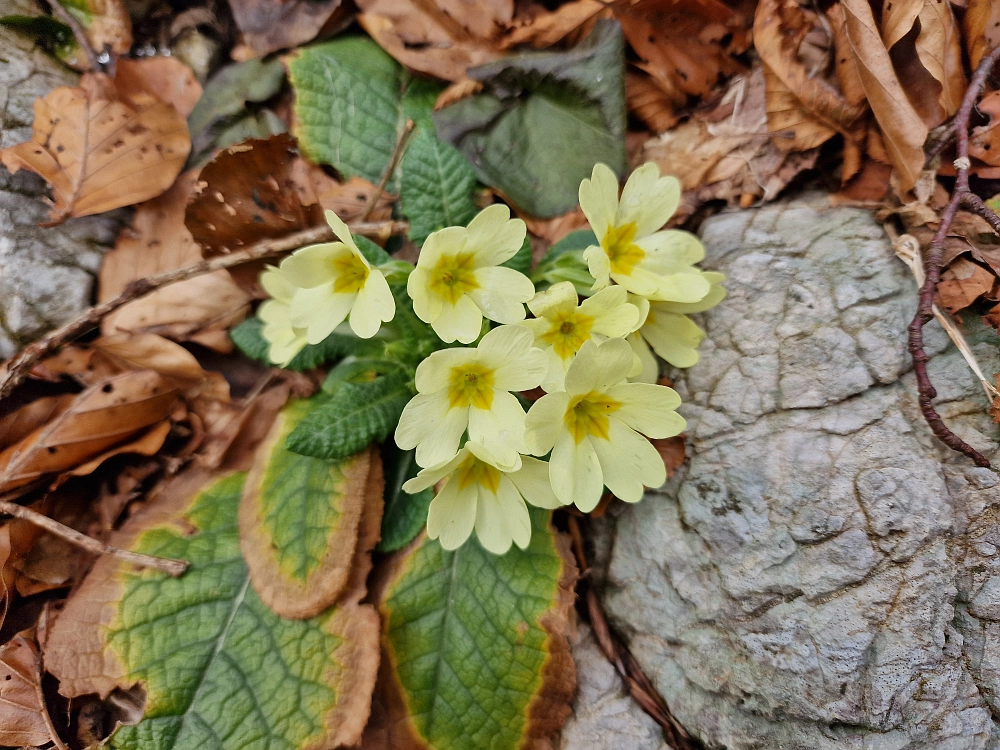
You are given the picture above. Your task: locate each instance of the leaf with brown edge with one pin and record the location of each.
(99, 151)
(23, 718)
(267, 26)
(903, 130)
(475, 652)
(105, 415)
(299, 519)
(651, 102)
(982, 29)
(166, 78)
(199, 309)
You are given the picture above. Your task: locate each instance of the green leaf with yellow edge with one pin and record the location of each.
(300, 516)
(477, 645)
(220, 669)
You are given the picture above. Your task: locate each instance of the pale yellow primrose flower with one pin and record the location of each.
(334, 279)
(481, 492)
(655, 264)
(593, 428)
(470, 388)
(285, 339)
(667, 328)
(458, 278)
(561, 326)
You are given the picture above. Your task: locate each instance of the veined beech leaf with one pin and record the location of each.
(299, 519)
(105, 415)
(220, 669)
(22, 711)
(99, 151)
(475, 653)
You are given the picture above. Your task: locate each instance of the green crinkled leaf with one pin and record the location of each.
(348, 105)
(436, 187)
(299, 520)
(405, 514)
(564, 262)
(543, 120)
(249, 340)
(354, 416)
(362, 370)
(220, 669)
(478, 642)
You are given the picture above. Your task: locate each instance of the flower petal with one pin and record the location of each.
(447, 241)
(374, 305)
(502, 293)
(516, 364)
(674, 337)
(421, 416)
(434, 372)
(613, 315)
(442, 444)
(459, 322)
(275, 284)
(715, 295)
(599, 266)
(433, 474)
(648, 200)
(575, 473)
(532, 481)
(319, 310)
(649, 369)
(343, 233)
(544, 423)
(557, 298)
(426, 304)
(682, 287)
(599, 199)
(629, 462)
(597, 368)
(500, 428)
(313, 266)
(502, 518)
(649, 409)
(494, 237)
(452, 514)
(555, 376)
(673, 246)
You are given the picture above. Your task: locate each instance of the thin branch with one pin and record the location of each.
(961, 196)
(397, 153)
(19, 367)
(640, 687)
(171, 567)
(40, 694)
(81, 36)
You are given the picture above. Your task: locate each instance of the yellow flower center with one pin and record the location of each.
(453, 276)
(474, 471)
(588, 415)
(351, 273)
(568, 332)
(471, 385)
(619, 244)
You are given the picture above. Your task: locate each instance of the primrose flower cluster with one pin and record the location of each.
(592, 358)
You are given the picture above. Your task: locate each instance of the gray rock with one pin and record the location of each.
(46, 274)
(824, 574)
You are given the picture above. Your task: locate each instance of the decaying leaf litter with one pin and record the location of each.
(152, 435)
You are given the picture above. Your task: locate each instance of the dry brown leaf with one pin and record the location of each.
(109, 26)
(99, 151)
(348, 200)
(107, 414)
(982, 28)
(199, 309)
(460, 89)
(23, 721)
(869, 187)
(166, 78)
(442, 38)
(903, 130)
(985, 141)
(799, 101)
(962, 284)
(672, 451)
(936, 45)
(546, 29)
(651, 102)
(686, 45)
(19, 424)
(553, 230)
(267, 26)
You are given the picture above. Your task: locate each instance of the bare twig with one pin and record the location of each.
(640, 687)
(171, 567)
(397, 153)
(81, 36)
(19, 367)
(961, 196)
(53, 733)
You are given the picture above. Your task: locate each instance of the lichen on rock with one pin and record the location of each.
(823, 574)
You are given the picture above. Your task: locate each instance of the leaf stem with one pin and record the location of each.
(397, 153)
(961, 196)
(19, 367)
(171, 567)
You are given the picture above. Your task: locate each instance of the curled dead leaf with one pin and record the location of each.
(23, 718)
(982, 28)
(166, 78)
(100, 151)
(962, 284)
